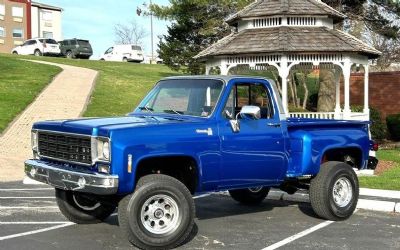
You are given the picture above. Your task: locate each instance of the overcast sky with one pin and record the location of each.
(94, 20)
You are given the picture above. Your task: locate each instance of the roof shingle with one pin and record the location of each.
(288, 39)
(265, 8)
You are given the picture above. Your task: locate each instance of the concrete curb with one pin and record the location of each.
(373, 205)
(29, 181)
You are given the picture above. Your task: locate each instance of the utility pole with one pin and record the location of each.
(152, 34)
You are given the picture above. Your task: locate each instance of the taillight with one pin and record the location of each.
(375, 147)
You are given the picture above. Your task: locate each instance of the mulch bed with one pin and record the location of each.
(384, 166)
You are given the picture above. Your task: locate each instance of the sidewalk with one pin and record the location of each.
(65, 97)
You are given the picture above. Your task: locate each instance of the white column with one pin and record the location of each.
(366, 89)
(347, 75)
(208, 69)
(224, 69)
(284, 73)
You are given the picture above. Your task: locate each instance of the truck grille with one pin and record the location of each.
(65, 147)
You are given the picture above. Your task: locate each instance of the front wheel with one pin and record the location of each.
(250, 196)
(159, 214)
(37, 53)
(334, 191)
(82, 208)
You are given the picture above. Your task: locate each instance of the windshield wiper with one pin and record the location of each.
(150, 110)
(171, 111)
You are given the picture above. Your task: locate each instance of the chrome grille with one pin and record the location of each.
(65, 147)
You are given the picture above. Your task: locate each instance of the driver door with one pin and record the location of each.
(256, 154)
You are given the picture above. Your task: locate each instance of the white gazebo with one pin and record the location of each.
(287, 33)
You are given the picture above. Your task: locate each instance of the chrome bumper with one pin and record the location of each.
(71, 180)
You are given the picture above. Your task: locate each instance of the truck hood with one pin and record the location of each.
(102, 126)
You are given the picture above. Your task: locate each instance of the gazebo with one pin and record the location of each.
(287, 33)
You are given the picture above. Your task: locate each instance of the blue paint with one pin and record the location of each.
(259, 155)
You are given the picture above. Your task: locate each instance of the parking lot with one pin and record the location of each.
(30, 219)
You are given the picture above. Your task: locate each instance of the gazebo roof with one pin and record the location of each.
(288, 39)
(264, 8)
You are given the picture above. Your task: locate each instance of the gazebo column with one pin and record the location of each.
(366, 89)
(284, 73)
(347, 75)
(208, 69)
(224, 69)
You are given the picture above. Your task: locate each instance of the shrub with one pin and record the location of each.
(378, 127)
(393, 124)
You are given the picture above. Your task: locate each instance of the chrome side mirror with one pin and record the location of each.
(252, 112)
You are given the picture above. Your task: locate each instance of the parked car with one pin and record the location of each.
(38, 47)
(76, 48)
(194, 135)
(124, 53)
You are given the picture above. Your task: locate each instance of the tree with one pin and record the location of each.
(130, 33)
(196, 24)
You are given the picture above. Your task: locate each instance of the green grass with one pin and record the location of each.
(120, 86)
(20, 83)
(390, 179)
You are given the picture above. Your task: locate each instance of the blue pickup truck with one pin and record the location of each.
(192, 135)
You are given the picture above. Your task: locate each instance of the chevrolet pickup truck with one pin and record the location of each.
(192, 135)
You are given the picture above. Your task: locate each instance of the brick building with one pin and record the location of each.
(22, 19)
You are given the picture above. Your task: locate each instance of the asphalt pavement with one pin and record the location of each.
(30, 219)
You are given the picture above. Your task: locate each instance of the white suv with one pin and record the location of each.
(38, 47)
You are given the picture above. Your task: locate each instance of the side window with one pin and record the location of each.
(249, 95)
(73, 42)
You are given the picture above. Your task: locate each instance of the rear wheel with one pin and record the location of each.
(82, 208)
(69, 54)
(334, 191)
(37, 53)
(125, 59)
(159, 214)
(250, 196)
(15, 53)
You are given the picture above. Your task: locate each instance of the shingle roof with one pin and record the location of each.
(288, 39)
(264, 8)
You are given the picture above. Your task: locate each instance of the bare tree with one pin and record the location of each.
(130, 33)
(390, 49)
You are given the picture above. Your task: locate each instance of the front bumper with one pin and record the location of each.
(56, 176)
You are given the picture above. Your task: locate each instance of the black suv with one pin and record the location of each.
(76, 48)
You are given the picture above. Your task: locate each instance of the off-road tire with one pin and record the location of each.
(130, 208)
(248, 197)
(67, 203)
(321, 191)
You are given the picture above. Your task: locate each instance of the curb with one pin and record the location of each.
(29, 181)
(373, 205)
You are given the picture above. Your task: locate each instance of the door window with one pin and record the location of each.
(109, 50)
(249, 95)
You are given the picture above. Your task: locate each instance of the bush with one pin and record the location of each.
(378, 127)
(393, 124)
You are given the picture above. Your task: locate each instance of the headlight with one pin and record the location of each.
(101, 149)
(34, 140)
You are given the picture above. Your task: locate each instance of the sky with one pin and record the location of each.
(94, 20)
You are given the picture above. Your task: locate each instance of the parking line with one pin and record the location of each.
(10, 198)
(36, 231)
(27, 208)
(299, 235)
(33, 222)
(25, 189)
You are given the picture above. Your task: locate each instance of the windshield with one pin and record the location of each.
(195, 97)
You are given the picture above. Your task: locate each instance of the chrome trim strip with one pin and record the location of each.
(58, 177)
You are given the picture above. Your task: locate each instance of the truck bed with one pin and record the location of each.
(315, 138)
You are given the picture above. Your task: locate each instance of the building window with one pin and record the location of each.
(47, 15)
(2, 10)
(18, 33)
(17, 12)
(47, 34)
(2, 32)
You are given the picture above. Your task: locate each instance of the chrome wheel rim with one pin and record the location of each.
(255, 189)
(342, 192)
(83, 206)
(160, 214)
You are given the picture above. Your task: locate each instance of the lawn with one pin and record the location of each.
(20, 83)
(388, 180)
(120, 86)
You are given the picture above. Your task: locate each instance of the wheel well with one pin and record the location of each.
(352, 156)
(183, 168)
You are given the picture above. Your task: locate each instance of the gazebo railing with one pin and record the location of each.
(314, 115)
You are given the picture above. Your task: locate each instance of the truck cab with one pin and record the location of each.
(196, 134)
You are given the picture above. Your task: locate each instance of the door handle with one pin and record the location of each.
(276, 125)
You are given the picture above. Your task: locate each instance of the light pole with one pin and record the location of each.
(152, 34)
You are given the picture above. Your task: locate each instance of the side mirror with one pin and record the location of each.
(252, 112)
